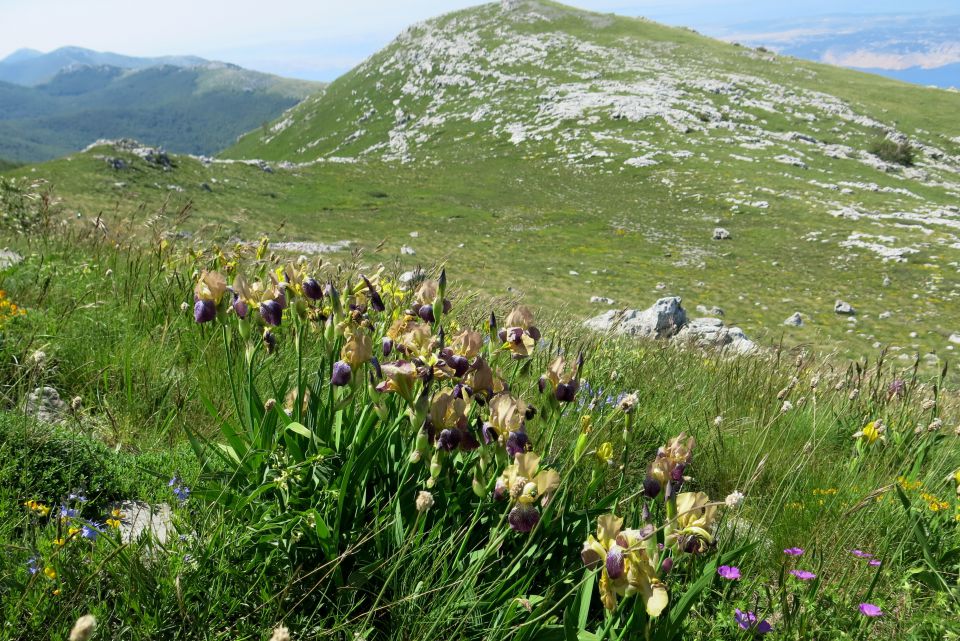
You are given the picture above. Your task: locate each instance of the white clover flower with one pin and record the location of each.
(184, 307)
(424, 501)
(734, 499)
(718, 421)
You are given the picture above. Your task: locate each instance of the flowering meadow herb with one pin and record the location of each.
(803, 575)
(793, 551)
(729, 572)
(870, 610)
(749, 621)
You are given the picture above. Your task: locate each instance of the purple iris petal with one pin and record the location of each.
(204, 311)
(803, 575)
(729, 572)
(870, 610)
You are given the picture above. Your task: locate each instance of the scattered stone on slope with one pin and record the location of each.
(885, 315)
(407, 250)
(9, 258)
(45, 404)
(711, 333)
(721, 234)
(843, 307)
(709, 311)
(662, 320)
(411, 277)
(954, 338)
(140, 517)
(796, 320)
(602, 300)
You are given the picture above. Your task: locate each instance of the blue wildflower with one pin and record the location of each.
(32, 566)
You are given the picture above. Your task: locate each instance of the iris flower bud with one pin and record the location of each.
(272, 312)
(489, 433)
(341, 374)
(667, 565)
(204, 311)
(376, 302)
(312, 289)
(387, 346)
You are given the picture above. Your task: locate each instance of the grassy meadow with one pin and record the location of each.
(447, 486)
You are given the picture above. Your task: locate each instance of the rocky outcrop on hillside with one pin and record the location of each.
(667, 319)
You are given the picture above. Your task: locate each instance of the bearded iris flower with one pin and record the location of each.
(626, 567)
(694, 522)
(563, 380)
(520, 334)
(399, 377)
(207, 294)
(525, 483)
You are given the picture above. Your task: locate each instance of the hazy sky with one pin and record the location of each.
(319, 39)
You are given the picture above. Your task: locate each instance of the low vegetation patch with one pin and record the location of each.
(898, 153)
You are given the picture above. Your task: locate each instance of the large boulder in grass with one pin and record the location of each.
(661, 320)
(45, 405)
(667, 319)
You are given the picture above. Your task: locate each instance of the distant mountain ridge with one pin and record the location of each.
(29, 67)
(183, 103)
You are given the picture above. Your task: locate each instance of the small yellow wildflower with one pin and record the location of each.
(60, 542)
(871, 432)
(114, 523)
(50, 572)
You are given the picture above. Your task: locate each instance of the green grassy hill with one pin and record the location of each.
(198, 109)
(569, 154)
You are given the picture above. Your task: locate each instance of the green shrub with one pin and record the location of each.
(900, 153)
(46, 463)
